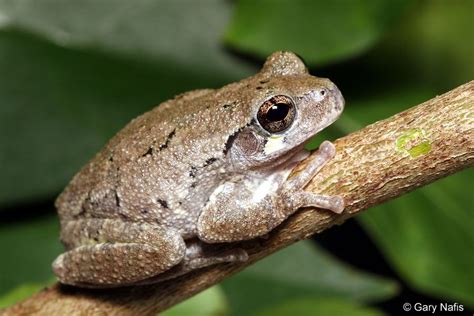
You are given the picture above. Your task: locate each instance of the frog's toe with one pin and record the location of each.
(337, 204)
(327, 149)
(58, 266)
(239, 255)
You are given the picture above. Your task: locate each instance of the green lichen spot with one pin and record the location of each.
(414, 142)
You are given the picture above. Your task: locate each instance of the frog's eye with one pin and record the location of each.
(276, 114)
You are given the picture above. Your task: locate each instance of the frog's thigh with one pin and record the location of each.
(107, 253)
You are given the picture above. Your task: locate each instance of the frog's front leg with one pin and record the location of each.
(296, 197)
(111, 252)
(254, 206)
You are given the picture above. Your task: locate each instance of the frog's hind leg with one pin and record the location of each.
(111, 253)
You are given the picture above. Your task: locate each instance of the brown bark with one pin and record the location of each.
(373, 165)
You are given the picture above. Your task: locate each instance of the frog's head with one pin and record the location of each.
(291, 107)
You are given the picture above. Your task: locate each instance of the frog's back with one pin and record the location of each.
(150, 170)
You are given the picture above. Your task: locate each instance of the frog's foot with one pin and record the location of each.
(293, 193)
(111, 253)
(200, 255)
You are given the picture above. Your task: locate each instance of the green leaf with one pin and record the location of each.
(28, 249)
(211, 302)
(91, 68)
(318, 306)
(428, 235)
(181, 33)
(320, 31)
(433, 45)
(300, 270)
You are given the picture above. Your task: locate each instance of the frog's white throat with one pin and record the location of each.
(274, 143)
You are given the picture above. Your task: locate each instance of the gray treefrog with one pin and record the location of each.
(209, 166)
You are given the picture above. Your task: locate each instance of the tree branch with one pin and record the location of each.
(373, 165)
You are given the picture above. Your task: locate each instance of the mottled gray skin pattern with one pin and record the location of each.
(196, 170)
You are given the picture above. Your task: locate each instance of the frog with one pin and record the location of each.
(209, 167)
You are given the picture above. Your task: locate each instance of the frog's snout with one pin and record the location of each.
(339, 101)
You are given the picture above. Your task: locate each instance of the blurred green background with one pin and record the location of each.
(74, 72)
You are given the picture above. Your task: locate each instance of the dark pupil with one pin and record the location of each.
(278, 112)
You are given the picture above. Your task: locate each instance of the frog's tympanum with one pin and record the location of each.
(210, 166)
